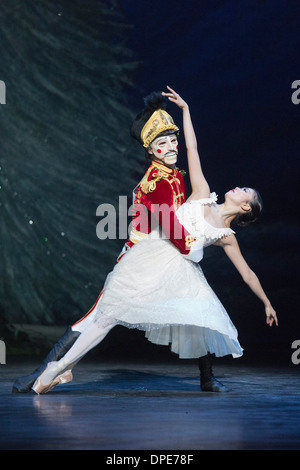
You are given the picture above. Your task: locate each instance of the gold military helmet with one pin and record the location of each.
(152, 121)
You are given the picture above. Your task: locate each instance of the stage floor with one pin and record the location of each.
(135, 406)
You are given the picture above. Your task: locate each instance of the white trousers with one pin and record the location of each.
(92, 335)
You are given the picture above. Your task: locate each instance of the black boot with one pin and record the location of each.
(24, 384)
(208, 382)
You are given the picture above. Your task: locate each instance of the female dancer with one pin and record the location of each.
(157, 289)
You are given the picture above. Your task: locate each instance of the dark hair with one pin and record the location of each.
(246, 218)
(148, 156)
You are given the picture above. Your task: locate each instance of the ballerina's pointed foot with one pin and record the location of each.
(40, 388)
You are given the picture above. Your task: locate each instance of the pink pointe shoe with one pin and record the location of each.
(39, 388)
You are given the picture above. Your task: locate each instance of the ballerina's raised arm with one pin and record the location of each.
(199, 185)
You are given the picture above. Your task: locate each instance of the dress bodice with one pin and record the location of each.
(191, 216)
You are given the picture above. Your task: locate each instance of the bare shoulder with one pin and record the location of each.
(229, 240)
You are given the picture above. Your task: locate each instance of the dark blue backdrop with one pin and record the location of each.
(76, 74)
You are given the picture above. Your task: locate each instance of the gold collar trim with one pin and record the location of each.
(162, 167)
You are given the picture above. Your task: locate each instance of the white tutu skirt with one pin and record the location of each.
(155, 289)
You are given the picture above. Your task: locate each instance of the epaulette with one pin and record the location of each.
(149, 185)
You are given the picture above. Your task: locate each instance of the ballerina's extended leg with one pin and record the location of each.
(60, 371)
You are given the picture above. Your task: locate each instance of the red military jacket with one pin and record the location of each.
(161, 191)
(157, 197)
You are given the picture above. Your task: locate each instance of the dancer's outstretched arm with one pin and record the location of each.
(232, 250)
(200, 187)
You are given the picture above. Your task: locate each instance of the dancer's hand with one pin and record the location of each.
(175, 98)
(271, 315)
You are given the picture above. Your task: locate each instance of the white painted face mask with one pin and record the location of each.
(165, 149)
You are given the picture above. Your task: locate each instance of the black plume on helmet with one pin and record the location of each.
(152, 102)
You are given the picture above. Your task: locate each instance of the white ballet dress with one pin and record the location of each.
(158, 290)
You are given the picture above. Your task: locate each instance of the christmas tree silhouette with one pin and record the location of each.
(65, 149)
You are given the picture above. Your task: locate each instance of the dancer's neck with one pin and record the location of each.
(227, 213)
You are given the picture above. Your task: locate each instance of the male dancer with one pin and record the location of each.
(158, 195)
